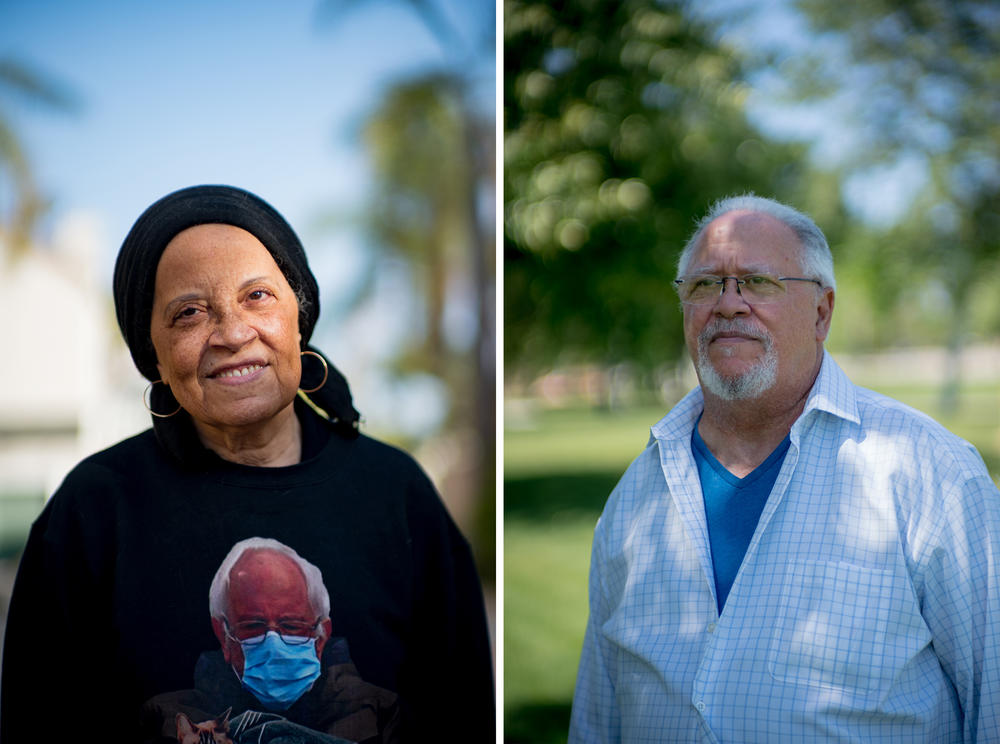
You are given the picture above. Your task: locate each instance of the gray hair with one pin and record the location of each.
(218, 593)
(817, 261)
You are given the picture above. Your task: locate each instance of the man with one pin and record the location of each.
(792, 558)
(271, 614)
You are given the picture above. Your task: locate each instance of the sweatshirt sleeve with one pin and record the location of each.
(447, 685)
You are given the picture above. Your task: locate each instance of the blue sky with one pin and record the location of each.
(262, 95)
(269, 96)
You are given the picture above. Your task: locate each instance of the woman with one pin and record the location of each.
(216, 302)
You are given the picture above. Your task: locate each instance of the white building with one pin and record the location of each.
(68, 387)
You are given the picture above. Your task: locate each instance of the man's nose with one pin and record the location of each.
(730, 302)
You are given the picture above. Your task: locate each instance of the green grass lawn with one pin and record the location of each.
(557, 474)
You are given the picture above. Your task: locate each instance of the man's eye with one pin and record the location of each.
(705, 281)
(758, 280)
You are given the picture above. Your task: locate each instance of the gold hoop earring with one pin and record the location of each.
(148, 392)
(326, 370)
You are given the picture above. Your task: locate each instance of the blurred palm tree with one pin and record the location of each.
(21, 209)
(432, 209)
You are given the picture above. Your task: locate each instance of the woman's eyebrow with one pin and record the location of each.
(179, 300)
(255, 280)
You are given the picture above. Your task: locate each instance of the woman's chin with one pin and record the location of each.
(249, 413)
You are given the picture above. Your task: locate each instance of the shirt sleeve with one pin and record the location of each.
(595, 717)
(960, 580)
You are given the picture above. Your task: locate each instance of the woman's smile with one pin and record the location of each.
(238, 374)
(225, 329)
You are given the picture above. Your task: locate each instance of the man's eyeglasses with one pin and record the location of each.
(252, 632)
(756, 289)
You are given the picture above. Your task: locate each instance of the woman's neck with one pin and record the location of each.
(272, 444)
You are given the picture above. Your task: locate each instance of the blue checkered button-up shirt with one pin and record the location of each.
(866, 609)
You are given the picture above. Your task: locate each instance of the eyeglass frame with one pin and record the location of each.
(273, 628)
(721, 280)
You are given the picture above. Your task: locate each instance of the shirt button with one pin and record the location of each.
(711, 627)
(700, 705)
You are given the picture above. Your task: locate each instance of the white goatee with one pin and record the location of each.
(751, 384)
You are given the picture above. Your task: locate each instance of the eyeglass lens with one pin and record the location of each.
(754, 288)
(291, 632)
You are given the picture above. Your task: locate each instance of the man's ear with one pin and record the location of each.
(220, 633)
(824, 314)
(322, 638)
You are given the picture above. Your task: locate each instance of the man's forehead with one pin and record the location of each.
(742, 223)
(758, 241)
(264, 583)
(266, 566)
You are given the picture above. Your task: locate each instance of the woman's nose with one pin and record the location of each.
(233, 331)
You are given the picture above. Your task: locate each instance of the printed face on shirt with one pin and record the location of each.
(225, 327)
(742, 350)
(267, 590)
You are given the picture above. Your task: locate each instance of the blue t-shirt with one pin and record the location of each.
(733, 507)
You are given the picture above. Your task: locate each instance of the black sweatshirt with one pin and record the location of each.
(110, 605)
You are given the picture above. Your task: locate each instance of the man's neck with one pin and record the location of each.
(742, 433)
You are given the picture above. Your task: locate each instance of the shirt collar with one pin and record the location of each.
(832, 393)
(681, 420)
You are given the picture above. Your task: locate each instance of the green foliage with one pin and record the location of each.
(921, 80)
(624, 121)
(419, 213)
(432, 145)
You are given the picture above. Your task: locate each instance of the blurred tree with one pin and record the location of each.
(26, 203)
(433, 153)
(920, 80)
(433, 161)
(624, 121)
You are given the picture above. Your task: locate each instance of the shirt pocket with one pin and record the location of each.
(844, 627)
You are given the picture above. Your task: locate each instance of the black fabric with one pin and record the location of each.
(110, 606)
(340, 703)
(135, 268)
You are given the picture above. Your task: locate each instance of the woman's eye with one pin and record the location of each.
(257, 294)
(188, 312)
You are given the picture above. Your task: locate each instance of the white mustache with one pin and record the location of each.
(736, 326)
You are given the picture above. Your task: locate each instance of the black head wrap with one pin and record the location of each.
(135, 272)
(135, 269)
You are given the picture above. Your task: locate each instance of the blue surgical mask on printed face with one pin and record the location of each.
(279, 674)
